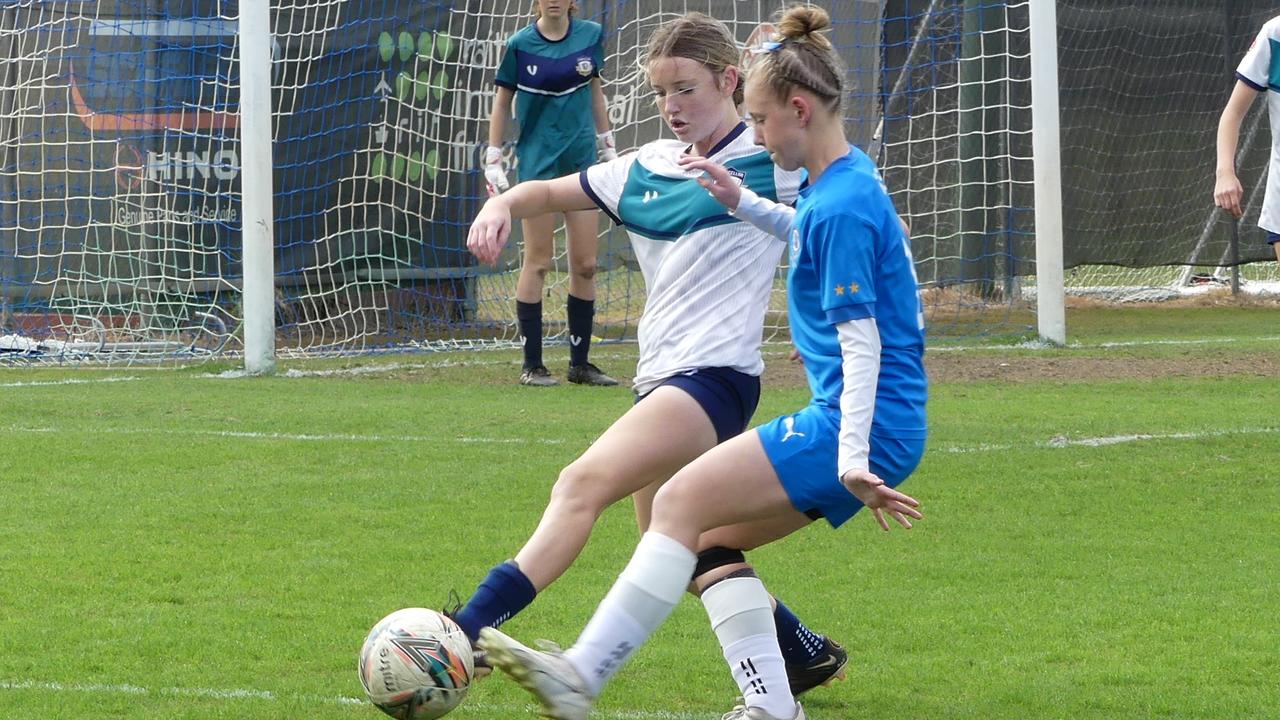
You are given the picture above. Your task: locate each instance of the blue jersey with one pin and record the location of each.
(552, 83)
(850, 260)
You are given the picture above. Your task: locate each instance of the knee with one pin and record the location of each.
(578, 491)
(585, 270)
(674, 505)
(537, 267)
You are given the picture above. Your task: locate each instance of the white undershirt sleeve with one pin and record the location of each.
(772, 217)
(860, 353)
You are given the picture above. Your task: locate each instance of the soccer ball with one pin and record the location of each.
(416, 664)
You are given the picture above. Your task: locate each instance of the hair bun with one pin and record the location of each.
(802, 23)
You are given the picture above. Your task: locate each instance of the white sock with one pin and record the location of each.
(641, 599)
(742, 617)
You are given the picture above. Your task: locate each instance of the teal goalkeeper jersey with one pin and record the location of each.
(552, 83)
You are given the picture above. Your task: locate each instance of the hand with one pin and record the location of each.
(495, 177)
(489, 231)
(795, 356)
(719, 184)
(606, 146)
(881, 498)
(1227, 194)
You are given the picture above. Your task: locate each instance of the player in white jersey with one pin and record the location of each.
(1259, 72)
(708, 276)
(855, 320)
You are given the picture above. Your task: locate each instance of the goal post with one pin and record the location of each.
(1051, 319)
(258, 230)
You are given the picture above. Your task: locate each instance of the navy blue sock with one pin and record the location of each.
(529, 317)
(504, 592)
(799, 644)
(581, 314)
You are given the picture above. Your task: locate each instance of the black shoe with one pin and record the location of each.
(538, 377)
(480, 661)
(479, 658)
(821, 671)
(588, 374)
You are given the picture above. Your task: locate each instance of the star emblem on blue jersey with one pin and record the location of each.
(853, 288)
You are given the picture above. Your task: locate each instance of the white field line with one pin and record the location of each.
(68, 381)
(1062, 441)
(292, 437)
(771, 350)
(267, 695)
(1053, 443)
(1042, 345)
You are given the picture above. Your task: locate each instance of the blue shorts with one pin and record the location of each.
(569, 160)
(803, 450)
(727, 396)
(1272, 238)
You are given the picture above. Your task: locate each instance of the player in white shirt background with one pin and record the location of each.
(708, 277)
(1258, 73)
(855, 319)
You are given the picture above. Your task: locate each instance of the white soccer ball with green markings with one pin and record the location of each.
(416, 664)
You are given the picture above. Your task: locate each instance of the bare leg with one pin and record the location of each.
(581, 228)
(647, 445)
(538, 247)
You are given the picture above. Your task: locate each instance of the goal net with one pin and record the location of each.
(1142, 85)
(120, 168)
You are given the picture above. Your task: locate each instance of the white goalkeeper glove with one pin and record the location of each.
(604, 143)
(495, 177)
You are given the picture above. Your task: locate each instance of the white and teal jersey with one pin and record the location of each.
(707, 274)
(850, 260)
(552, 83)
(1260, 69)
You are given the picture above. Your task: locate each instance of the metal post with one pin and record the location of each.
(257, 187)
(1046, 148)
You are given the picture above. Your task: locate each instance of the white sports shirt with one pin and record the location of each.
(1260, 69)
(707, 274)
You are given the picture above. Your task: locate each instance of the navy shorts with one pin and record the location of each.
(1272, 238)
(802, 449)
(727, 396)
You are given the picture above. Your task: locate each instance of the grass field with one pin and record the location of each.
(1101, 540)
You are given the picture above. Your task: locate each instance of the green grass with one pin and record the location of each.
(179, 545)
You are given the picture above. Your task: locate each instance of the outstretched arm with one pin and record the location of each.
(492, 226)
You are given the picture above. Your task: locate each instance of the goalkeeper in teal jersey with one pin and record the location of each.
(551, 69)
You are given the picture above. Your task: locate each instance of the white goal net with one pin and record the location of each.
(120, 168)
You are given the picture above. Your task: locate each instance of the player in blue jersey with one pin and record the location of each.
(551, 69)
(855, 319)
(708, 277)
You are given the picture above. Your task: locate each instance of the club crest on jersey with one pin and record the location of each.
(584, 66)
(795, 242)
(739, 176)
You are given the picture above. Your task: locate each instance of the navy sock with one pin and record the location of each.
(504, 592)
(529, 317)
(581, 314)
(799, 644)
